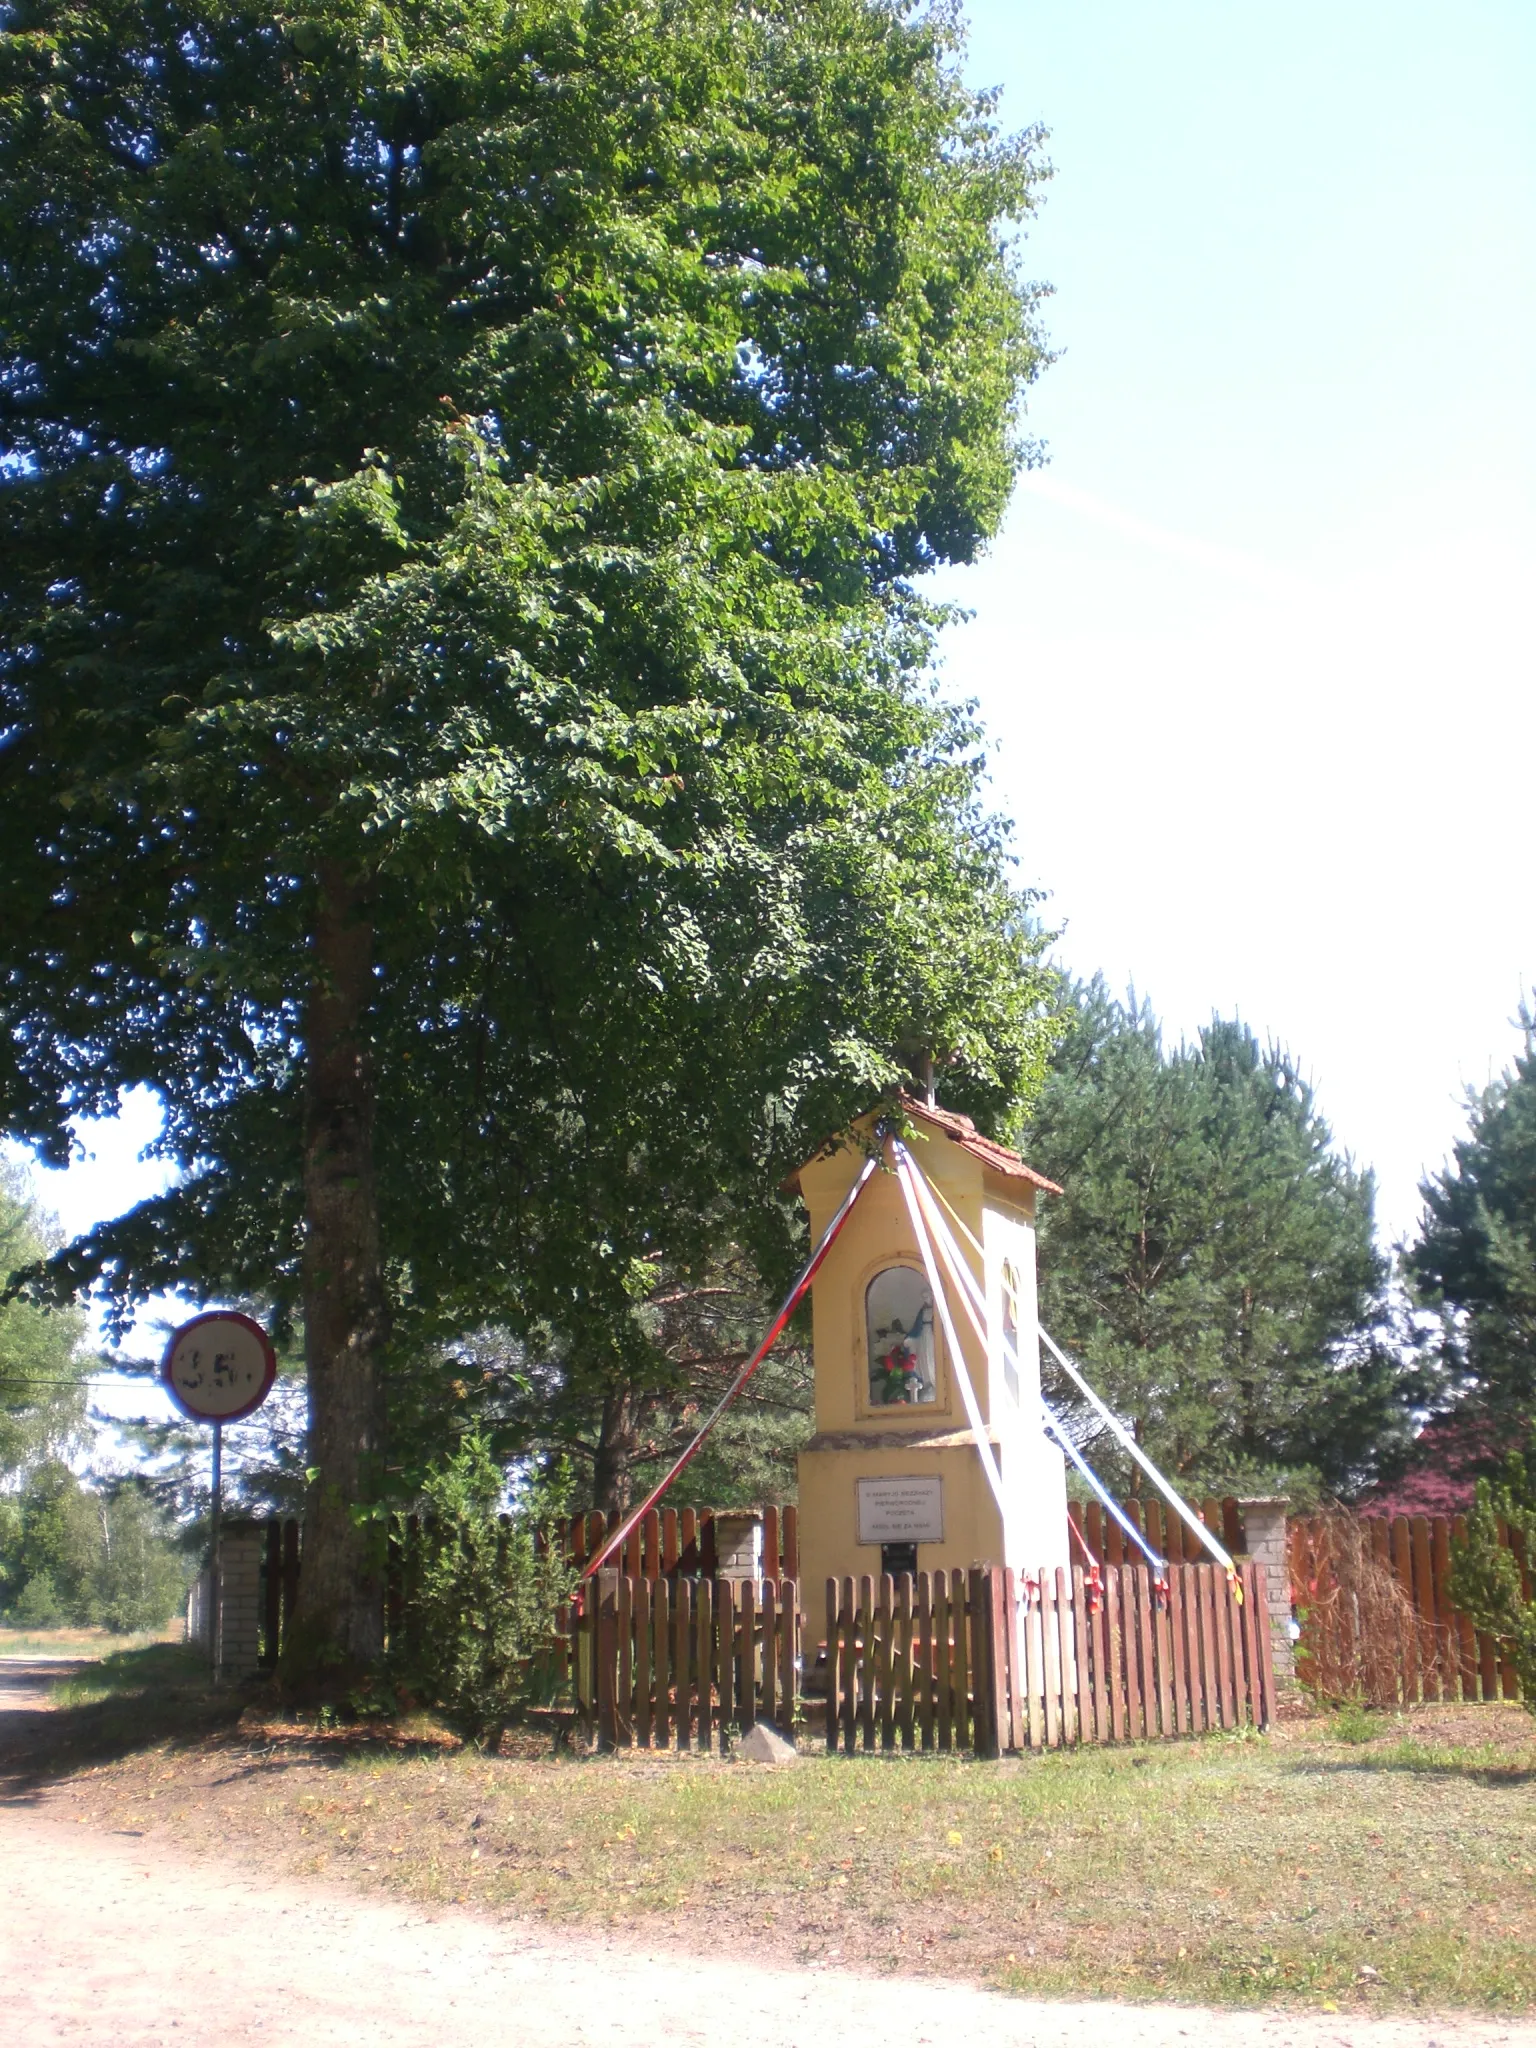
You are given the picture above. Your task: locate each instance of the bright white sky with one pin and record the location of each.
(1257, 646)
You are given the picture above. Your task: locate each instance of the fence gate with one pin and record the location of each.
(685, 1663)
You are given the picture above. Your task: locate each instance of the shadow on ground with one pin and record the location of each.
(61, 1716)
(137, 1700)
(1493, 1776)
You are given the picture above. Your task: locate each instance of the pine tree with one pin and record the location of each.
(1487, 1583)
(1474, 1259)
(1211, 1263)
(617, 1419)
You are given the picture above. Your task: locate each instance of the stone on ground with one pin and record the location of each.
(763, 1744)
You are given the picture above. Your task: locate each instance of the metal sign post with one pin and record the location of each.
(219, 1368)
(215, 1516)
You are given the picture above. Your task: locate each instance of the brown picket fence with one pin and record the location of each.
(685, 1663)
(670, 1543)
(986, 1661)
(1423, 1651)
(1415, 1649)
(680, 1542)
(1106, 1542)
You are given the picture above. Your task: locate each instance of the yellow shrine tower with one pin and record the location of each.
(893, 1479)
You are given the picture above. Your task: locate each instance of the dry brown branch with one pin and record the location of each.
(1362, 1636)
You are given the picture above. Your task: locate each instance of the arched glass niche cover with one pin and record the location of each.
(898, 1321)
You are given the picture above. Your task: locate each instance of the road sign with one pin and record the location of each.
(219, 1366)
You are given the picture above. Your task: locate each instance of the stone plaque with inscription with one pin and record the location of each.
(901, 1510)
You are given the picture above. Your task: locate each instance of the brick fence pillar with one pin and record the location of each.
(237, 1643)
(1264, 1521)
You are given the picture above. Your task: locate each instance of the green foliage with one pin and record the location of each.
(483, 1594)
(1354, 1723)
(463, 475)
(1211, 1263)
(1487, 1582)
(37, 1605)
(509, 432)
(752, 1456)
(81, 1557)
(142, 1572)
(619, 1429)
(42, 1359)
(59, 1539)
(1475, 1255)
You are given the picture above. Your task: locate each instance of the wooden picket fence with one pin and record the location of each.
(279, 1584)
(680, 1542)
(685, 1663)
(1106, 1542)
(985, 1661)
(1442, 1659)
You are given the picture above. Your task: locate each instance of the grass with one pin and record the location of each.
(77, 1642)
(157, 1695)
(145, 1669)
(1354, 1722)
(1393, 1867)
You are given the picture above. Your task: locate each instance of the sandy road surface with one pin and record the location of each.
(26, 1683)
(107, 1940)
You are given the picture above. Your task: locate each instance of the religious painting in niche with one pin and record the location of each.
(1011, 1332)
(898, 1318)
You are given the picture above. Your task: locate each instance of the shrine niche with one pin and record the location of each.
(899, 1337)
(922, 1460)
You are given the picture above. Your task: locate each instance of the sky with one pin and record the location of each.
(1255, 645)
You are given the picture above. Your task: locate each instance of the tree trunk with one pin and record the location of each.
(618, 1440)
(338, 1628)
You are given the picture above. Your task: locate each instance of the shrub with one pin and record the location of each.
(1354, 1722)
(37, 1604)
(484, 1590)
(1487, 1581)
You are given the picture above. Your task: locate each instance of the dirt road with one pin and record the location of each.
(26, 1684)
(108, 1940)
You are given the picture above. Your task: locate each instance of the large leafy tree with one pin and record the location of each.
(1474, 1259)
(50, 1550)
(465, 739)
(1212, 1263)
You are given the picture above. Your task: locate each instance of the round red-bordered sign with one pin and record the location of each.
(219, 1367)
